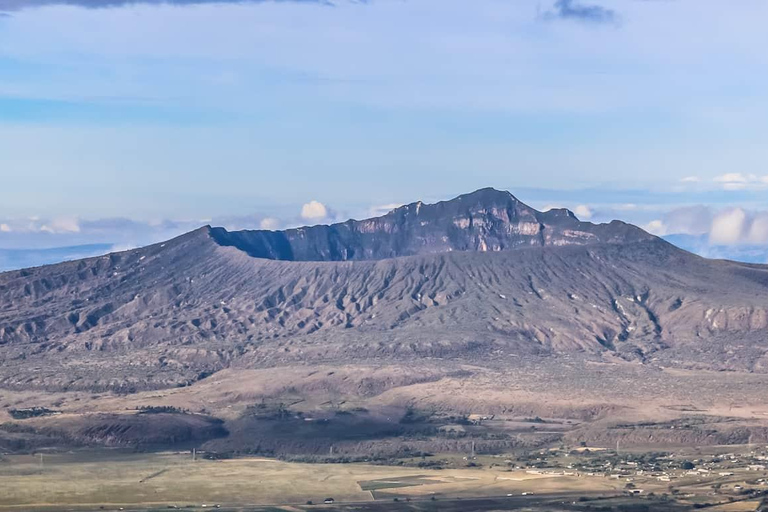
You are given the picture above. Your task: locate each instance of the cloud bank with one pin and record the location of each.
(726, 227)
(17, 5)
(741, 181)
(34, 233)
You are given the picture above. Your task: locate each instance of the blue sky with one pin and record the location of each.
(125, 122)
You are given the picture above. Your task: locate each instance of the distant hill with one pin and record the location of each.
(482, 277)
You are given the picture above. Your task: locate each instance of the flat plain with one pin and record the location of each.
(117, 480)
(95, 479)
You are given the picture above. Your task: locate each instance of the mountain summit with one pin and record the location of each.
(486, 220)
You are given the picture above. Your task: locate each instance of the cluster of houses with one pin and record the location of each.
(730, 468)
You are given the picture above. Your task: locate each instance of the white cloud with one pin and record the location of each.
(758, 231)
(690, 179)
(123, 233)
(314, 210)
(689, 220)
(61, 225)
(728, 227)
(732, 181)
(123, 247)
(656, 227)
(269, 223)
(583, 212)
(37, 232)
(740, 181)
(383, 209)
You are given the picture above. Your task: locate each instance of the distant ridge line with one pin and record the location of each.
(487, 220)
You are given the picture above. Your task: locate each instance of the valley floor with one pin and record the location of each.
(387, 434)
(104, 480)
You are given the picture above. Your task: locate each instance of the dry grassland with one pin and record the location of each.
(173, 479)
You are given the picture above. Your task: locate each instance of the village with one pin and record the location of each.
(583, 478)
(717, 474)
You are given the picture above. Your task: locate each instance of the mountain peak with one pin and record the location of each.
(487, 220)
(487, 194)
(560, 212)
(481, 197)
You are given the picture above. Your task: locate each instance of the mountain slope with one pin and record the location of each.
(171, 313)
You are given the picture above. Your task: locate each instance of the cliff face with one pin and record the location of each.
(484, 221)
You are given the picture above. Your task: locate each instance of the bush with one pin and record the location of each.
(32, 412)
(160, 409)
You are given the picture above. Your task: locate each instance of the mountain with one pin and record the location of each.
(487, 220)
(482, 278)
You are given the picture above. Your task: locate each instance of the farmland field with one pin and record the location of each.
(113, 480)
(123, 480)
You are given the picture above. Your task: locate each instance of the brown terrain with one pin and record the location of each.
(477, 319)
